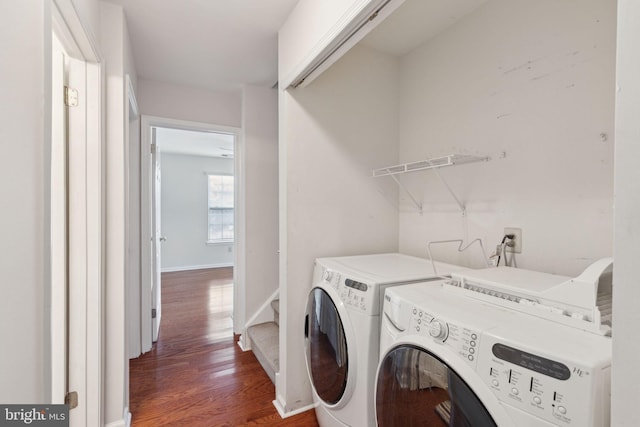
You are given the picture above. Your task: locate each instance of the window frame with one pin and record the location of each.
(222, 240)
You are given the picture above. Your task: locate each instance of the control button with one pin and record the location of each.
(537, 400)
(472, 350)
(415, 311)
(495, 383)
(515, 391)
(474, 337)
(417, 328)
(471, 357)
(472, 343)
(328, 275)
(419, 321)
(420, 314)
(562, 410)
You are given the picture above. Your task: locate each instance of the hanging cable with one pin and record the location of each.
(501, 250)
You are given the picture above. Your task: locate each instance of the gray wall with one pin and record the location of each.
(184, 212)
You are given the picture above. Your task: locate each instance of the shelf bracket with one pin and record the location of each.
(461, 205)
(415, 202)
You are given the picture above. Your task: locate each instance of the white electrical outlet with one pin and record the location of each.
(517, 239)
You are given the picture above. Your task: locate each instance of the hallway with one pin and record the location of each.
(196, 375)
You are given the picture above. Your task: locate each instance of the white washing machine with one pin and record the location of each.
(342, 329)
(462, 353)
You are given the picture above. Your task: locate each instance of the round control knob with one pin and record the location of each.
(328, 275)
(438, 330)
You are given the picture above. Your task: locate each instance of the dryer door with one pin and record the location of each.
(326, 347)
(416, 388)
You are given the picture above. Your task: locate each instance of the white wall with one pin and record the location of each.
(184, 212)
(260, 177)
(183, 103)
(626, 316)
(333, 133)
(89, 13)
(25, 131)
(534, 80)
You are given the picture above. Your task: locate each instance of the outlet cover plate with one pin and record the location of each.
(517, 232)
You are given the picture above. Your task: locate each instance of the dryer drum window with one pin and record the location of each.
(326, 347)
(416, 388)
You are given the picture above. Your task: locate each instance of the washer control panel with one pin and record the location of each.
(462, 340)
(556, 390)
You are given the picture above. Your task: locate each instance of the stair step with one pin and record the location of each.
(265, 343)
(275, 304)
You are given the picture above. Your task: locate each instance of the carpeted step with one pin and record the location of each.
(265, 343)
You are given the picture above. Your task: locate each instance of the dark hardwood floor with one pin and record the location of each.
(196, 375)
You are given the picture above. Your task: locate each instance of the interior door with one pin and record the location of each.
(156, 287)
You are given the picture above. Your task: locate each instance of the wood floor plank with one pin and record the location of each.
(196, 375)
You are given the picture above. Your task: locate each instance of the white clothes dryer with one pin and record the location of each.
(447, 359)
(342, 329)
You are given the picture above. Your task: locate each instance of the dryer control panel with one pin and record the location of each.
(355, 294)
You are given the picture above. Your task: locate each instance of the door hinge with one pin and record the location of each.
(154, 313)
(153, 148)
(71, 399)
(70, 97)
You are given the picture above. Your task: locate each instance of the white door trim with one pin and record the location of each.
(86, 233)
(147, 123)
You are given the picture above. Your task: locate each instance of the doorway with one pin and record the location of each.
(189, 215)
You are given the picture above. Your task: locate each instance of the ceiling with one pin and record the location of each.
(416, 22)
(222, 45)
(212, 44)
(195, 143)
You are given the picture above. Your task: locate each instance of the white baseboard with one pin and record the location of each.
(243, 344)
(284, 414)
(124, 422)
(196, 267)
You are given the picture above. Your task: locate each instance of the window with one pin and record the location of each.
(220, 208)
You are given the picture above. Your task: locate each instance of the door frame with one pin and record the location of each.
(86, 232)
(147, 123)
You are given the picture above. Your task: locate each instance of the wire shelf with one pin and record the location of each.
(436, 162)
